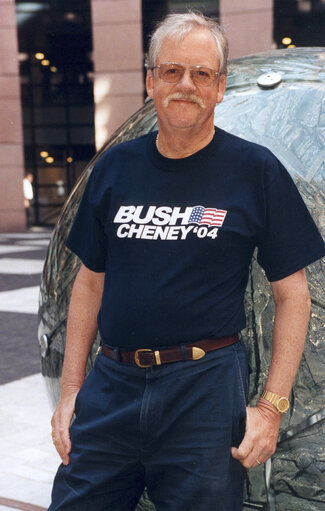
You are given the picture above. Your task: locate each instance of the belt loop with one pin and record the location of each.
(184, 354)
(117, 353)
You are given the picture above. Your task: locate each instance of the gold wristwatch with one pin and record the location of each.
(281, 403)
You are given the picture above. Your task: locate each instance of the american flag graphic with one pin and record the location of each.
(207, 216)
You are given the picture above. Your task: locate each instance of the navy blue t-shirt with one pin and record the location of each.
(175, 237)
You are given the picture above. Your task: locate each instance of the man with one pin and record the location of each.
(28, 195)
(166, 231)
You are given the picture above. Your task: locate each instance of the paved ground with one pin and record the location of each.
(21, 262)
(28, 460)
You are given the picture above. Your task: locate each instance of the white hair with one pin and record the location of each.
(179, 25)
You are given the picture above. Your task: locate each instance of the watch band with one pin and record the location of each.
(281, 403)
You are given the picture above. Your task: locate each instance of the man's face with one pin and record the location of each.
(198, 48)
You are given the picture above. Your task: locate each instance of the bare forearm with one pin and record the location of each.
(289, 334)
(81, 328)
(292, 301)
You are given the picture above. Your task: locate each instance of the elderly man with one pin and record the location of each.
(166, 231)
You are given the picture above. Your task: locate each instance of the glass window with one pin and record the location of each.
(299, 23)
(56, 67)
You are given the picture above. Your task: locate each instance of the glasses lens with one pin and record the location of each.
(171, 73)
(202, 75)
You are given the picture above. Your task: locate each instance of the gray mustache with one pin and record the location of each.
(180, 95)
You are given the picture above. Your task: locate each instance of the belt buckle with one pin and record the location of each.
(137, 360)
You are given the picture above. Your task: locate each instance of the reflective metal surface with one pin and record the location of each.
(290, 120)
(269, 80)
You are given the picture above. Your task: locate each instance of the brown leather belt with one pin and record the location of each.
(145, 357)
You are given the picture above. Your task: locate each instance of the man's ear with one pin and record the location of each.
(221, 88)
(150, 83)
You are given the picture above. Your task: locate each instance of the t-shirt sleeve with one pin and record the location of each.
(290, 239)
(87, 238)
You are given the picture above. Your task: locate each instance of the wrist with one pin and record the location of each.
(280, 403)
(267, 407)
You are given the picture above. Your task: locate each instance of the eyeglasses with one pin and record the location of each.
(171, 72)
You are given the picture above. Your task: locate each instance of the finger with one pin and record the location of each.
(259, 461)
(256, 464)
(248, 455)
(261, 454)
(61, 422)
(262, 450)
(257, 455)
(253, 461)
(61, 440)
(244, 449)
(61, 448)
(66, 441)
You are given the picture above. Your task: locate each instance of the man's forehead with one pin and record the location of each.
(197, 45)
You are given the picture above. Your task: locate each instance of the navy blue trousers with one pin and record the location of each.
(169, 428)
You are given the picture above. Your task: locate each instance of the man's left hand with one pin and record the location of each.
(261, 435)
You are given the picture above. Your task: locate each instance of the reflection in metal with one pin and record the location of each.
(268, 484)
(290, 120)
(305, 424)
(44, 345)
(46, 339)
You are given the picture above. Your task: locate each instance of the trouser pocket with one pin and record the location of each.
(241, 394)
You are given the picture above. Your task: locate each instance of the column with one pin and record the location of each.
(12, 214)
(248, 25)
(118, 63)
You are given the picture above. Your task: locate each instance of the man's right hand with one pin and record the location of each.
(61, 422)
(82, 327)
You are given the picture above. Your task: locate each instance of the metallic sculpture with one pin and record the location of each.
(276, 99)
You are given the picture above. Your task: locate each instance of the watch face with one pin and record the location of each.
(283, 404)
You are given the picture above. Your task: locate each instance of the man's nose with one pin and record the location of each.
(186, 80)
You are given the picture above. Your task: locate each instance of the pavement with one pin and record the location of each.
(28, 459)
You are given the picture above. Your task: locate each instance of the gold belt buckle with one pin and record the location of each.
(142, 350)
